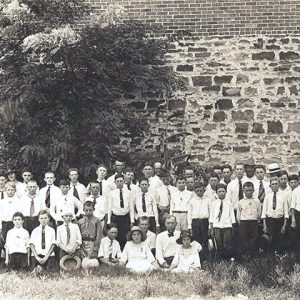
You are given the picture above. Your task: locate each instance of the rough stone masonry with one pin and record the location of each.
(243, 73)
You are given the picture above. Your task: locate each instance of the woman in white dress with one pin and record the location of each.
(186, 258)
(136, 254)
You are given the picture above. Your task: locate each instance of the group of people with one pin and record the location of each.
(157, 222)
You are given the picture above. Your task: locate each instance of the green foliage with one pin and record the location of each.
(65, 92)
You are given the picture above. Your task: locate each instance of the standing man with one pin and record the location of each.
(77, 189)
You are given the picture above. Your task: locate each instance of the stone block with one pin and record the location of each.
(152, 104)
(251, 91)
(280, 90)
(203, 54)
(224, 104)
(241, 149)
(292, 105)
(272, 81)
(275, 127)
(295, 145)
(219, 116)
(223, 79)
(293, 90)
(292, 79)
(200, 49)
(273, 47)
(227, 91)
(242, 115)
(209, 106)
(241, 127)
(176, 104)
(185, 68)
(137, 105)
(297, 69)
(290, 55)
(258, 128)
(213, 88)
(282, 68)
(263, 56)
(196, 130)
(241, 78)
(294, 127)
(202, 80)
(245, 102)
(209, 126)
(265, 100)
(285, 41)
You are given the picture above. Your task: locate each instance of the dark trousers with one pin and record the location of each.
(223, 238)
(5, 227)
(30, 223)
(152, 224)
(50, 264)
(200, 231)
(123, 224)
(248, 236)
(162, 215)
(296, 232)
(274, 229)
(18, 261)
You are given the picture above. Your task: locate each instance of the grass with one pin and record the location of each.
(263, 278)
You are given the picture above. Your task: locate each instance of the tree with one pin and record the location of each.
(66, 88)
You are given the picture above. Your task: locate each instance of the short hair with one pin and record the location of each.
(49, 172)
(165, 173)
(119, 176)
(221, 186)
(144, 179)
(293, 177)
(189, 168)
(18, 214)
(214, 175)
(73, 170)
(128, 170)
(10, 184)
(170, 217)
(32, 181)
(44, 212)
(199, 185)
(88, 203)
(275, 178)
(26, 169)
(143, 218)
(248, 184)
(101, 166)
(283, 172)
(239, 164)
(64, 182)
(94, 182)
(180, 177)
(227, 166)
(110, 226)
(217, 167)
(259, 167)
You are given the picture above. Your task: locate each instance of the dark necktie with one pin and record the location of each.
(32, 207)
(274, 201)
(100, 188)
(261, 192)
(171, 234)
(110, 250)
(47, 201)
(128, 186)
(121, 199)
(169, 194)
(43, 238)
(2, 195)
(68, 234)
(220, 211)
(75, 193)
(143, 203)
(241, 195)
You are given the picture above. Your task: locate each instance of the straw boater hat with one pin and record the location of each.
(136, 228)
(273, 168)
(67, 211)
(212, 245)
(70, 263)
(183, 234)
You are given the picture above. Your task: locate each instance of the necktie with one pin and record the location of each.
(32, 207)
(261, 192)
(220, 211)
(68, 234)
(47, 201)
(110, 250)
(169, 194)
(43, 238)
(121, 199)
(2, 195)
(95, 199)
(128, 186)
(171, 234)
(75, 193)
(274, 201)
(143, 203)
(241, 195)
(100, 188)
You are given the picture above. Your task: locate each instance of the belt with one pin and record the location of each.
(179, 211)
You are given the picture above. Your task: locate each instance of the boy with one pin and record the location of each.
(210, 191)
(275, 214)
(128, 181)
(227, 173)
(77, 189)
(91, 232)
(145, 205)
(68, 235)
(143, 223)
(64, 201)
(30, 205)
(190, 182)
(27, 176)
(293, 181)
(295, 212)
(2, 185)
(248, 217)
(16, 251)
(42, 244)
(179, 203)
(221, 220)
(198, 215)
(11, 176)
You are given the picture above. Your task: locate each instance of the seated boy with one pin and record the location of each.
(68, 235)
(248, 217)
(143, 223)
(109, 250)
(16, 251)
(42, 243)
(221, 220)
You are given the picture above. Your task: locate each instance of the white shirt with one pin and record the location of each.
(81, 189)
(8, 206)
(287, 193)
(114, 204)
(25, 205)
(36, 240)
(24, 191)
(16, 240)
(210, 194)
(133, 188)
(180, 200)
(295, 204)
(281, 209)
(163, 196)
(154, 184)
(151, 239)
(227, 216)
(233, 191)
(249, 209)
(151, 207)
(107, 187)
(199, 208)
(62, 203)
(75, 235)
(266, 185)
(104, 249)
(100, 207)
(55, 192)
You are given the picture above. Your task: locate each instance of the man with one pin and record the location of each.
(261, 185)
(157, 168)
(77, 189)
(154, 181)
(119, 167)
(227, 173)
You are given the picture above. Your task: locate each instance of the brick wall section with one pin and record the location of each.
(242, 101)
(215, 17)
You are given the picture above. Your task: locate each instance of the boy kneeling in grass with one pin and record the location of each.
(42, 244)
(16, 251)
